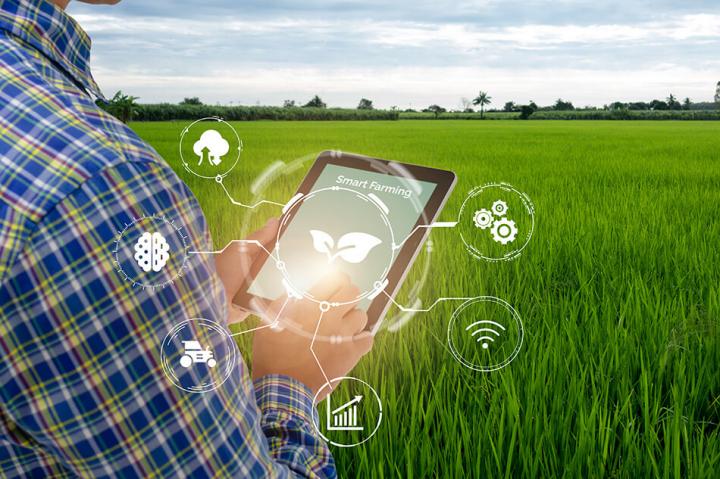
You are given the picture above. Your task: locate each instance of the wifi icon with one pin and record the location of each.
(485, 330)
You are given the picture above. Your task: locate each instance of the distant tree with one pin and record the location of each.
(687, 103)
(289, 104)
(365, 104)
(191, 101)
(482, 99)
(658, 105)
(527, 110)
(672, 102)
(705, 105)
(466, 105)
(122, 106)
(316, 102)
(436, 109)
(509, 106)
(561, 105)
(638, 105)
(617, 105)
(717, 93)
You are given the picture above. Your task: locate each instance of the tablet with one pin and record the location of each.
(364, 217)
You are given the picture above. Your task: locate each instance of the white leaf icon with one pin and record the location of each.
(322, 242)
(352, 247)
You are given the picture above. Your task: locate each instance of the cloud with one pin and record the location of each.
(418, 87)
(394, 53)
(413, 34)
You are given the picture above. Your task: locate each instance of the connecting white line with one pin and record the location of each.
(312, 349)
(437, 224)
(255, 242)
(413, 310)
(238, 203)
(273, 324)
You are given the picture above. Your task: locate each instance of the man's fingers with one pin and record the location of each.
(236, 314)
(354, 322)
(346, 298)
(329, 285)
(243, 259)
(268, 233)
(269, 312)
(250, 252)
(363, 343)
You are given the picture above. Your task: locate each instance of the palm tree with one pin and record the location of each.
(482, 99)
(122, 106)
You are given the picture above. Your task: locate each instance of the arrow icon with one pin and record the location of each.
(348, 404)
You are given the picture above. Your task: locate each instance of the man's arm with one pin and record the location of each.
(82, 378)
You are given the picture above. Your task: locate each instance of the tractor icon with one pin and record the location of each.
(194, 353)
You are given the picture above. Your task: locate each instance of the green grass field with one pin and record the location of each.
(619, 291)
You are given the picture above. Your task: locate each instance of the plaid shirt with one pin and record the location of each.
(82, 392)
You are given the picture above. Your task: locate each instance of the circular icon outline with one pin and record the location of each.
(392, 322)
(527, 203)
(518, 345)
(281, 265)
(316, 416)
(185, 251)
(218, 176)
(214, 326)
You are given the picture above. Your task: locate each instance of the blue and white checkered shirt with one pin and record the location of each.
(82, 390)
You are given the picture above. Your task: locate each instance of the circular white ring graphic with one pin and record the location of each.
(316, 419)
(217, 176)
(198, 355)
(496, 222)
(282, 264)
(151, 251)
(492, 330)
(279, 174)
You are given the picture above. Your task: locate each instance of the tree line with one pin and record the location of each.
(125, 107)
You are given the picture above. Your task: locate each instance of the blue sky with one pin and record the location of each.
(407, 53)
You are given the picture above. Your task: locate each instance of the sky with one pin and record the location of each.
(405, 53)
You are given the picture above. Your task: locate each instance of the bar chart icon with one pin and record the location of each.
(343, 418)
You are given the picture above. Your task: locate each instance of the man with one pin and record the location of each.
(82, 392)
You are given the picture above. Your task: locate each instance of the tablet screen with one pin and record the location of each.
(308, 250)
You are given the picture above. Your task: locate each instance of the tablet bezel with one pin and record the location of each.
(443, 179)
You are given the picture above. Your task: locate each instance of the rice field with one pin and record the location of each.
(618, 290)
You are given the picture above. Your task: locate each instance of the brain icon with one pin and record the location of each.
(152, 252)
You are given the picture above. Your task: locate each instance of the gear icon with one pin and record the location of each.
(504, 231)
(500, 208)
(483, 219)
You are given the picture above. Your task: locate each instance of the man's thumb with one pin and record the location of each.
(363, 342)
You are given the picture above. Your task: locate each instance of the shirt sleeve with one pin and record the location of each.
(82, 381)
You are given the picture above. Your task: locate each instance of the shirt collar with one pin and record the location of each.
(53, 33)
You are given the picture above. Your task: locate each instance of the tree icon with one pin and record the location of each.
(211, 147)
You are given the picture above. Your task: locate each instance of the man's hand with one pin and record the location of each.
(286, 350)
(236, 264)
